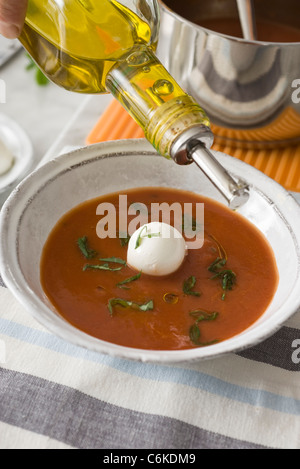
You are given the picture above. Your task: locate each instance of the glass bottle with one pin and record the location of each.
(100, 46)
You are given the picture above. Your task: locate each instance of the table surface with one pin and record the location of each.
(59, 396)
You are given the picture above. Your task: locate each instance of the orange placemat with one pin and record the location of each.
(281, 164)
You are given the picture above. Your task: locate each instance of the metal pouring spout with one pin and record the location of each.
(193, 145)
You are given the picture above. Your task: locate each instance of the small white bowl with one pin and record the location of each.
(16, 140)
(45, 195)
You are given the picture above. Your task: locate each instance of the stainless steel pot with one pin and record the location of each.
(249, 89)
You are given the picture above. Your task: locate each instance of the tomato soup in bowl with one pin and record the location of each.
(188, 299)
(214, 292)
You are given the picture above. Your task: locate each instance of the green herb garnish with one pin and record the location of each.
(138, 241)
(129, 304)
(128, 280)
(124, 240)
(228, 280)
(148, 235)
(116, 260)
(188, 284)
(152, 235)
(217, 264)
(85, 249)
(101, 267)
(106, 266)
(202, 315)
(227, 276)
(195, 334)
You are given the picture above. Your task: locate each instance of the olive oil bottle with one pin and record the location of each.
(77, 42)
(107, 46)
(100, 46)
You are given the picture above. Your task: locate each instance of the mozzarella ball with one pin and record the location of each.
(156, 248)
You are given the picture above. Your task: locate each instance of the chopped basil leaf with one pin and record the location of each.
(148, 235)
(88, 253)
(117, 260)
(146, 306)
(227, 276)
(138, 241)
(188, 284)
(194, 334)
(101, 267)
(201, 315)
(217, 264)
(129, 304)
(124, 240)
(129, 279)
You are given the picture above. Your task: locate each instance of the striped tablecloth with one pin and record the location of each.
(58, 396)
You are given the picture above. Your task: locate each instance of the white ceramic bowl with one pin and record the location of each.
(45, 195)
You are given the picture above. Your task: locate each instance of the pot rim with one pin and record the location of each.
(226, 36)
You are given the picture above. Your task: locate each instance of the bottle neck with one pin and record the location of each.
(154, 99)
